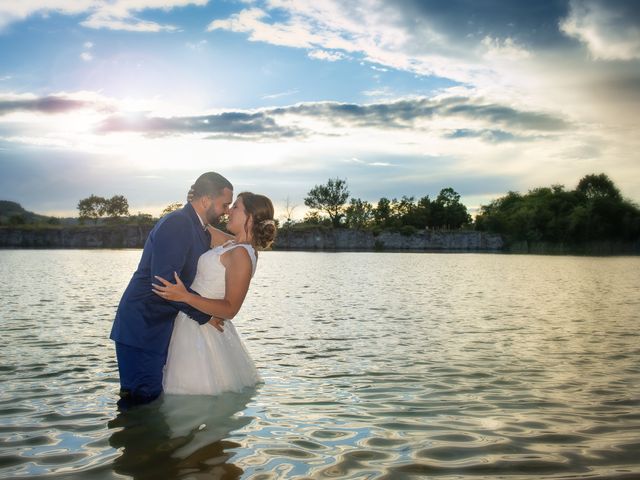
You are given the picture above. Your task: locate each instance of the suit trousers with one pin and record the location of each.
(140, 374)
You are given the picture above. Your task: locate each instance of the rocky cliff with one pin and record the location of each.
(319, 239)
(113, 236)
(132, 236)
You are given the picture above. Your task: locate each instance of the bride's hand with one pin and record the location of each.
(217, 323)
(171, 291)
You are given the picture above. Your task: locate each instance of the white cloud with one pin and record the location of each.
(16, 10)
(506, 49)
(384, 92)
(114, 15)
(326, 55)
(197, 45)
(279, 94)
(251, 21)
(132, 24)
(357, 161)
(372, 29)
(86, 56)
(88, 45)
(605, 29)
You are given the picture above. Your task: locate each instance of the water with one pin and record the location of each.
(376, 365)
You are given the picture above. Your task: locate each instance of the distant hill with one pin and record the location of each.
(12, 213)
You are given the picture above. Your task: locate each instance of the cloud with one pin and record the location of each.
(609, 29)
(371, 164)
(506, 49)
(113, 15)
(488, 135)
(279, 95)
(13, 11)
(228, 125)
(196, 45)
(338, 119)
(377, 31)
(50, 104)
(472, 118)
(252, 21)
(87, 56)
(132, 24)
(407, 112)
(326, 55)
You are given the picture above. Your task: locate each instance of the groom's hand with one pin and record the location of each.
(217, 323)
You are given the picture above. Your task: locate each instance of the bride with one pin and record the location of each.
(211, 358)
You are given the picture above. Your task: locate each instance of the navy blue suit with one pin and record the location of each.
(144, 321)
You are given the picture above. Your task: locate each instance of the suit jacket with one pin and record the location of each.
(144, 319)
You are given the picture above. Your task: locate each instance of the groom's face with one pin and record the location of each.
(219, 206)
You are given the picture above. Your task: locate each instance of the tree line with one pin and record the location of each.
(95, 207)
(115, 210)
(331, 206)
(594, 211)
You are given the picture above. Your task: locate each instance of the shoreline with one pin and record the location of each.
(312, 240)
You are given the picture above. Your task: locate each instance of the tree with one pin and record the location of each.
(598, 186)
(359, 213)
(141, 219)
(172, 207)
(594, 211)
(92, 207)
(329, 198)
(313, 218)
(422, 213)
(448, 212)
(382, 212)
(288, 212)
(95, 207)
(403, 211)
(17, 220)
(116, 206)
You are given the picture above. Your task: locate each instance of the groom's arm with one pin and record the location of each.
(169, 254)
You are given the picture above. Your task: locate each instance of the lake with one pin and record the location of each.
(375, 366)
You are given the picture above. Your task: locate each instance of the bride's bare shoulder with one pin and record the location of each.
(218, 237)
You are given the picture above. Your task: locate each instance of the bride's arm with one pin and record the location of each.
(218, 237)
(237, 278)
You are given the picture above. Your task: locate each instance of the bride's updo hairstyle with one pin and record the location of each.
(260, 209)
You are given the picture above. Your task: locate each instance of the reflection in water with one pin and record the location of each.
(180, 434)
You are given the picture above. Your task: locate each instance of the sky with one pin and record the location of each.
(398, 97)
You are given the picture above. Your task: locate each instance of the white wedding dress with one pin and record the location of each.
(201, 359)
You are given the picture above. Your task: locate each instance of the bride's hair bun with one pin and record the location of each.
(264, 233)
(260, 209)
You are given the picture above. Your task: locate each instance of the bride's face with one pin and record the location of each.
(238, 218)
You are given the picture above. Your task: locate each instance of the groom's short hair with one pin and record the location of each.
(210, 184)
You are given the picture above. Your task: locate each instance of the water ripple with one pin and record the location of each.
(377, 366)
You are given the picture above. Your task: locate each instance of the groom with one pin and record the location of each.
(144, 321)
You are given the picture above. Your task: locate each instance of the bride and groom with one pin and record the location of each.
(177, 337)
